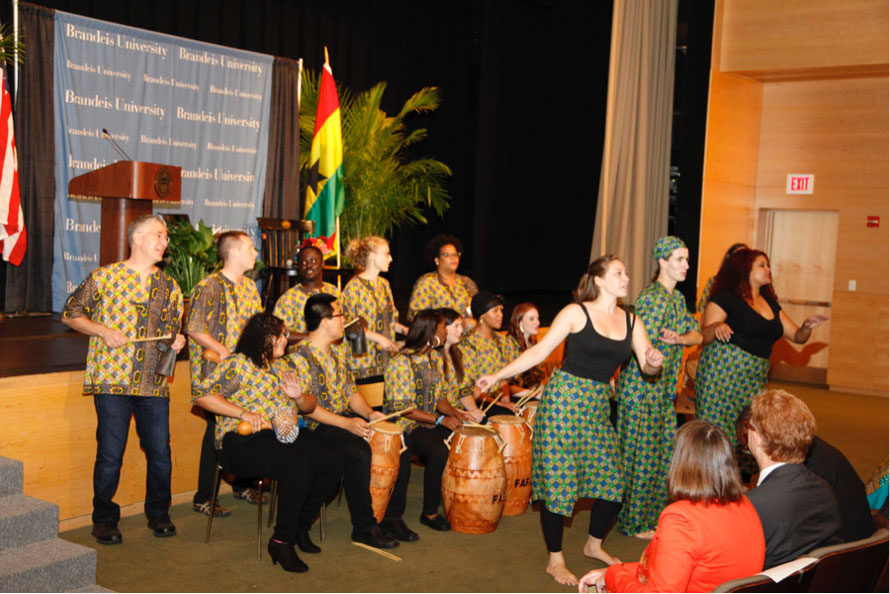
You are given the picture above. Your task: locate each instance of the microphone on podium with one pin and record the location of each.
(120, 151)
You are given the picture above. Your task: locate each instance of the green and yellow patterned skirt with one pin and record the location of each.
(728, 378)
(647, 424)
(574, 448)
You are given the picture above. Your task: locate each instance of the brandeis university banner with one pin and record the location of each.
(164, 100)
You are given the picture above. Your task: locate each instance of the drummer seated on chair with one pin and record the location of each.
(341, 417)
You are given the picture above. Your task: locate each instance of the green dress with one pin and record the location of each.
(646, 418)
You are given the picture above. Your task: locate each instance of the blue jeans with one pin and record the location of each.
(152, 416)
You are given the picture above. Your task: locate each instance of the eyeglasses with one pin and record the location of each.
(339, 315)
(450, 255)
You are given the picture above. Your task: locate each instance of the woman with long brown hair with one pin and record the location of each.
(522, 334)
(741, 323)
(710, 533)
(575, 449)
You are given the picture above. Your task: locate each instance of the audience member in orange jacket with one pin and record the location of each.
(709, 534)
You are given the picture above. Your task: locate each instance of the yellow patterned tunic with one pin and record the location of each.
(114, 297)
(290, 305)
(373, 302)
(483, 356)
(241, 382)
(220, 308)
(450, 388)
(325, 375)
(412, 381)
(430, 292)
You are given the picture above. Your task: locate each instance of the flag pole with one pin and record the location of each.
(327, 61)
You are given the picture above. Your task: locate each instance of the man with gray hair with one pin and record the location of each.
(128, 308)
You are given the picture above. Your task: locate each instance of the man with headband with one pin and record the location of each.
(485, 350)
(646, 417)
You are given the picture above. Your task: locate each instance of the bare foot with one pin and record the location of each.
(593, 549)
(556, 567)
(645, 535)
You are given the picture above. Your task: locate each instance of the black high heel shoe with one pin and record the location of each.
(284, 553)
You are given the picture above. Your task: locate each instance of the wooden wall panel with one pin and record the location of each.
(828, 116)
(51, 427)
(765, 35)
(730, 168)
(859, 347)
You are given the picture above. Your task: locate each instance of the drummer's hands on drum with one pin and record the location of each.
(722, 332)
(357, 426)
(596, 577)
(450, 423)
(471, 416)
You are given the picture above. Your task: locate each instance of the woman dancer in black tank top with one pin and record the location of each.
(574, 448)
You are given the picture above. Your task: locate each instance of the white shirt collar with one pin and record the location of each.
(765, 472)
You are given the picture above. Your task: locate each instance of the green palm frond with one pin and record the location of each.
(11, 51)
(385, 187)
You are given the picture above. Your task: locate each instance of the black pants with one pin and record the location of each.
(207, 465)
(429, 445)
(354, 457)
(601, 517)
(304, 471)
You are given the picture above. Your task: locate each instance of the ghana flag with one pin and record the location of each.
(325, 196)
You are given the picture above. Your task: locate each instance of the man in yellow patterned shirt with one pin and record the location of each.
(310, 265)
(340, 419)
(219, 308)
(126, 308)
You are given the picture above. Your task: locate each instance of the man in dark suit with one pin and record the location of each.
(798, 510)
(830, 464)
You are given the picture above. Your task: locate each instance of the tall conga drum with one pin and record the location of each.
(529, 411)
(387, 444)
(517, 435)
(474, 481)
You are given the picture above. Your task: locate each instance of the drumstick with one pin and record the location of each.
(487, 427)
(350, 323)
(531, 394)
(490, 405)
(150, 338)
(378, 551)
(391, 415)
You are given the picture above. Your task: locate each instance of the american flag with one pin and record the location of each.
(13, 237)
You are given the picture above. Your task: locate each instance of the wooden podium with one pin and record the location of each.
(127, 189)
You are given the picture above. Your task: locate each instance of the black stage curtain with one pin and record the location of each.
(281, 199)
(28, 286)
(521, 121)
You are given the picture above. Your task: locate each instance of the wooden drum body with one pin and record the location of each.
(474, 481)
(517, 434)
(529, 411)
(387, 443)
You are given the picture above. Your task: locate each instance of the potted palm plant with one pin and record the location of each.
(385, 187)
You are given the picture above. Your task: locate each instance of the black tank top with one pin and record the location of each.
(592, 356)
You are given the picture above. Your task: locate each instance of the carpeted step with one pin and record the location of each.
(11, 476)
(25, 520)
(53, 565)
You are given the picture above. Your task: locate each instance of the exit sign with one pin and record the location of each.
(799, 183)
